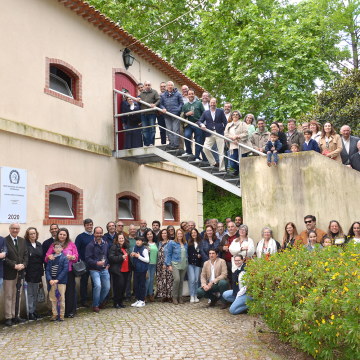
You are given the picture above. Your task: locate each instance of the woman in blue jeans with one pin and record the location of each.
(153, 257)
(238, 296)
(194, 267)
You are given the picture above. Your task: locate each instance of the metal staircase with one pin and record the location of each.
(152, 154)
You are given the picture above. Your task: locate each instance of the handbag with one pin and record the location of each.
(79, 268)
(327, 152)
(40, 293)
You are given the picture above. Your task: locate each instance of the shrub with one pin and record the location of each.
(311, 299)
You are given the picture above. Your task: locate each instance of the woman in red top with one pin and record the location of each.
(119, 267)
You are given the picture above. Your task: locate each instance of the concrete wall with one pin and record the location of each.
(303, 183)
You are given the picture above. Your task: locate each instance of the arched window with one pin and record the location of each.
(63, 81)
(63, 204)
(128, 208)
(171, 211)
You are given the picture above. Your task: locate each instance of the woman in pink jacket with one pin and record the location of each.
(70, 250)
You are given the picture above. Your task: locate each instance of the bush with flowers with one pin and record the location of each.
(312, 299)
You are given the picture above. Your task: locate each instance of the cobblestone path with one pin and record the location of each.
(156, 331)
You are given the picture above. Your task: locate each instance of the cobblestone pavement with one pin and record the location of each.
(156, 331)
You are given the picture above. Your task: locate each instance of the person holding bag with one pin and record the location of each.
(34, 269)
(119, 267)
(70, 251)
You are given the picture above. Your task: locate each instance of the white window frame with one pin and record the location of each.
(54, 193)
(65, 83)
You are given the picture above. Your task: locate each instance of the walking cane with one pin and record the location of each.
(18, 288)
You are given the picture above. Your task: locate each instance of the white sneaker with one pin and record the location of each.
(135, 303)
(151, 145)
(186, 154)
(191, 299)
(196, 299)
(198, 160)
(140, 303)
(209, 301)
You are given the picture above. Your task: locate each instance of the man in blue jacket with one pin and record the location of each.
(96, 257)
(215, 121)
(171, 101)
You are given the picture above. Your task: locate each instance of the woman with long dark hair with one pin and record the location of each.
(119, 267)
(210, 241)
(336, 233)
(153, 258)
(164, 278)
(70, 251)
(289, 239)
(194, 267)
(354, 233)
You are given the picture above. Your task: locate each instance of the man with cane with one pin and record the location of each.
(14, 264)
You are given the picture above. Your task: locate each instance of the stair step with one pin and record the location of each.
(232, 181)
(210, 169)
(199, 163)
(186, 158)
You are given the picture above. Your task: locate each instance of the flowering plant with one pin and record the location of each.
(311, 298)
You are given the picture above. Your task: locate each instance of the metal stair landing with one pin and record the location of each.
(203, 169)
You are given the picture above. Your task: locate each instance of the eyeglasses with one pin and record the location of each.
(121, 225)
(58, 247)
(308, 222)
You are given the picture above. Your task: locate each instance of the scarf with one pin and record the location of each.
(271, 249)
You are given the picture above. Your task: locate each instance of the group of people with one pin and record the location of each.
(204, 114)
(213, 262)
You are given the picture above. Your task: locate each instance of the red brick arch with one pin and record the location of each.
(78, 198)
(136, 199)
(73, 73)
(176, 204)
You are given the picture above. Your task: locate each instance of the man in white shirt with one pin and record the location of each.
(349, 144)
(213, 279)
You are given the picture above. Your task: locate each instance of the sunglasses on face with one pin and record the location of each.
(308, 222)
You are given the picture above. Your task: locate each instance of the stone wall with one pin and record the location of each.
(303, 183)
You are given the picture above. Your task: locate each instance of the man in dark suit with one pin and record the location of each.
(15, 262)
(215, 120)
(354, 160)
(348, 144)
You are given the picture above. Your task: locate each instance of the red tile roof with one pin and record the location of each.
(109, 27)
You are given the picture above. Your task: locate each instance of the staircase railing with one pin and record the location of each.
(117, 131)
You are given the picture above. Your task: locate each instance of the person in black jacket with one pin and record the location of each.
(34, 270)
(194, 261)
(133, 138)
(119, 268)
(282, 137)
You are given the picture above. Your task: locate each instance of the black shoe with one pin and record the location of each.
(19, 320)
(37, 315)
(117, 306)
(32, 316)
(122, 305)
(8, 322)
(127, 299)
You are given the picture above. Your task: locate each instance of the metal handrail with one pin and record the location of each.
(202, 145)
(181, 119)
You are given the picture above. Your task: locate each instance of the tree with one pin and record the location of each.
(342, 16)
(340, 104)
(264, 56)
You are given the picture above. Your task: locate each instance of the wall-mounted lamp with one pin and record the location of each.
(128, 58)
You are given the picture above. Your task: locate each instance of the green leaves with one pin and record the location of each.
(316, 304)
(340, 104)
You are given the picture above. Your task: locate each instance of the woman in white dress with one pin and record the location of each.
(243, 245)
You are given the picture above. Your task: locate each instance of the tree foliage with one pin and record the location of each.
(219, 203)
(264, 56)
(340, 104)
(311, 299)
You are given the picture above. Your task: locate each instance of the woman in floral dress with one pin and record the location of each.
(164, 277)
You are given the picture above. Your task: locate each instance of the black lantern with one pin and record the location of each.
(128, 58)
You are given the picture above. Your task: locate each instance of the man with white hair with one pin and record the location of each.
(349, 144)
(14, 264)
(355, 159)
(171, 101)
